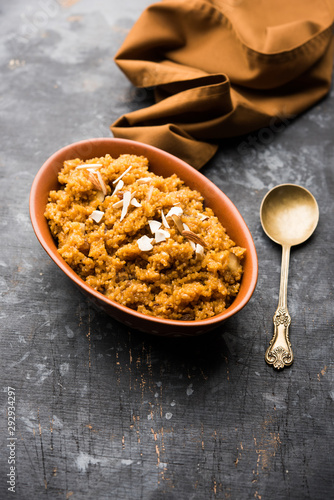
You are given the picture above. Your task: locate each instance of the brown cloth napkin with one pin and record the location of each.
(224, 68)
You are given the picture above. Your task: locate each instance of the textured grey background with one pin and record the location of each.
(104, 412)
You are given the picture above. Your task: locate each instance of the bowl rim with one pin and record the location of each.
(60, 262)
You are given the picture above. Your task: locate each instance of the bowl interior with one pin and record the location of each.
(161, 163)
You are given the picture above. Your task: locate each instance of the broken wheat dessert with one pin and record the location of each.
(143, 240)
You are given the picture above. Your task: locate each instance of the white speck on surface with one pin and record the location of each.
(42, 373)
(83, 391)
(83, 460)
(190, 390)
(64, 368)
(56, 423)
(173, 403)
(29, 424)
(278, 401)
(307, 415)
(162, 465)
(3, 286)
(126, 461)
(156, 395)
(21, 360)
(149, 417)
(69, 332)
(168, 415)
(23, 220)
(159, 384)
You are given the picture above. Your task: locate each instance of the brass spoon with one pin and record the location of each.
(289, 215)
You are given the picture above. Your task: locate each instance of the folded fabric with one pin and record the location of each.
(221, 69)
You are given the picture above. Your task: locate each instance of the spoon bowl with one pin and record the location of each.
(289, 215)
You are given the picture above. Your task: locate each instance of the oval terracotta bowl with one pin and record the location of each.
(161, 163)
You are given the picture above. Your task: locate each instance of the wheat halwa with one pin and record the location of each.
(143, 240)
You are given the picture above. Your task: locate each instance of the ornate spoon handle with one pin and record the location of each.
(279, 353)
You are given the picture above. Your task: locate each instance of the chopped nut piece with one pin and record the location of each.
(192, 244)
(144, 180)
(100, 196)
(154, 225)
(126, 202)
(164, 220)
(175, 211)
(199, 250)
(97, 215)
(135, 203)
(119, 203)
(233, 262)
(120, 177)
(94, 180)
(193, 237)
(118, 187)
(178, 223)
(161, 235)
(145, 243)
(203, 216)
(102, 184)
(149, 194)
(97, 181)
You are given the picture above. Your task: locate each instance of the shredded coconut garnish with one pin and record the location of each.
(164, 220)
(145, 243)
(120, 177)
(154, 225)
(135, 203)
(97, 215)
(118, 187)
(126, 202)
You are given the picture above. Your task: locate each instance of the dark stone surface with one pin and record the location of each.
(110, 413)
